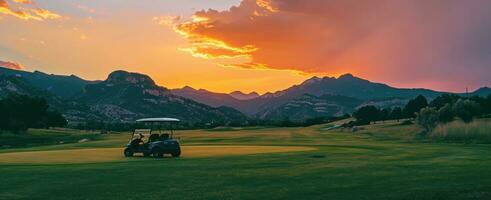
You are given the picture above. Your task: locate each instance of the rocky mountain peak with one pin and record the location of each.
(347, 76)
(243, 96)
(314, 79)
(124, 77)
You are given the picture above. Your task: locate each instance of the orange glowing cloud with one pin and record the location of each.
(166, 20)
(297, 38)
(375, 39)
(267, 4)
(24, 1)
(27, 13)
(11, 65)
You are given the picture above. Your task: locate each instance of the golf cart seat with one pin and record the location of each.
(164, 136)
(154, 137)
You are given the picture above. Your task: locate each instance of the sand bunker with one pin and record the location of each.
(116, 154)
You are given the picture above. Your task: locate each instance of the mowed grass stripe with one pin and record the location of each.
(97, 155)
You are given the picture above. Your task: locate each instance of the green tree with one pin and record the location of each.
(19, 112)
(466, 110)
(446, 114)
(385, 114)
(427, 118)
(367, 114)
(443, 100)
(55, 119)
(414, 106)
(396, 113)
(487, 107)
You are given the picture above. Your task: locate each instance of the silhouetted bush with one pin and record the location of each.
(367, 114)
(20, 112)
(446, 114)
(443, 100)
(466, 110)
(427, 118)
(396, 113)
(414, 106)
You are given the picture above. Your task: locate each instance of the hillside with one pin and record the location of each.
(310, 106)
(351, 86)
(125, 96)
(122, 97)
(72, 110)
(206, 97)
(299, 101)
(243, 96)
(63, 86)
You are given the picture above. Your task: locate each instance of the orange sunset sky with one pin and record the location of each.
(253, 45)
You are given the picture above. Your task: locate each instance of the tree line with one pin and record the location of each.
(443, 109)
(20, 112)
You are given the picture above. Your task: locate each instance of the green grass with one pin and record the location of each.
(383, 161)
(38, 137)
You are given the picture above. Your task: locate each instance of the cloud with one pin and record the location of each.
(30, 12)
(166, 20)
(11, 65)
(374, 38)
(24, 1)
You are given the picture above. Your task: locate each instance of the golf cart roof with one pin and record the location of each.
(158, 120)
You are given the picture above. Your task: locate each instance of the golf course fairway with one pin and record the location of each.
(383, 161)
(115, 154)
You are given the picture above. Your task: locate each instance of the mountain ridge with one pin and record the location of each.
(61, 85)
(122, 89)
(243, 96)
(123, 97)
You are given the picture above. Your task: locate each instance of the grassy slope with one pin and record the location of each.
(381, 162)
(39, 137)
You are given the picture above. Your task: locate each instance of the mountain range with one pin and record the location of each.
(327, 96)
(125, 96)
(122, 97)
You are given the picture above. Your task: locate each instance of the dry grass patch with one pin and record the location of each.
(116, 154)
(478, 131)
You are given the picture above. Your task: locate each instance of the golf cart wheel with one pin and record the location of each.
(128, 152)
(176, 154)
(157, 153)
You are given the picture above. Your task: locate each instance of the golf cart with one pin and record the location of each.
(153, 142)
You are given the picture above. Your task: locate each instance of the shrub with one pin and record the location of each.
(466, 110)
(396, 113)
(458, 131)
(443, 100)
(487, 105)
(427, 118)
(446, 114)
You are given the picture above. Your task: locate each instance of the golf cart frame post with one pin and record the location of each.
(159, 122)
